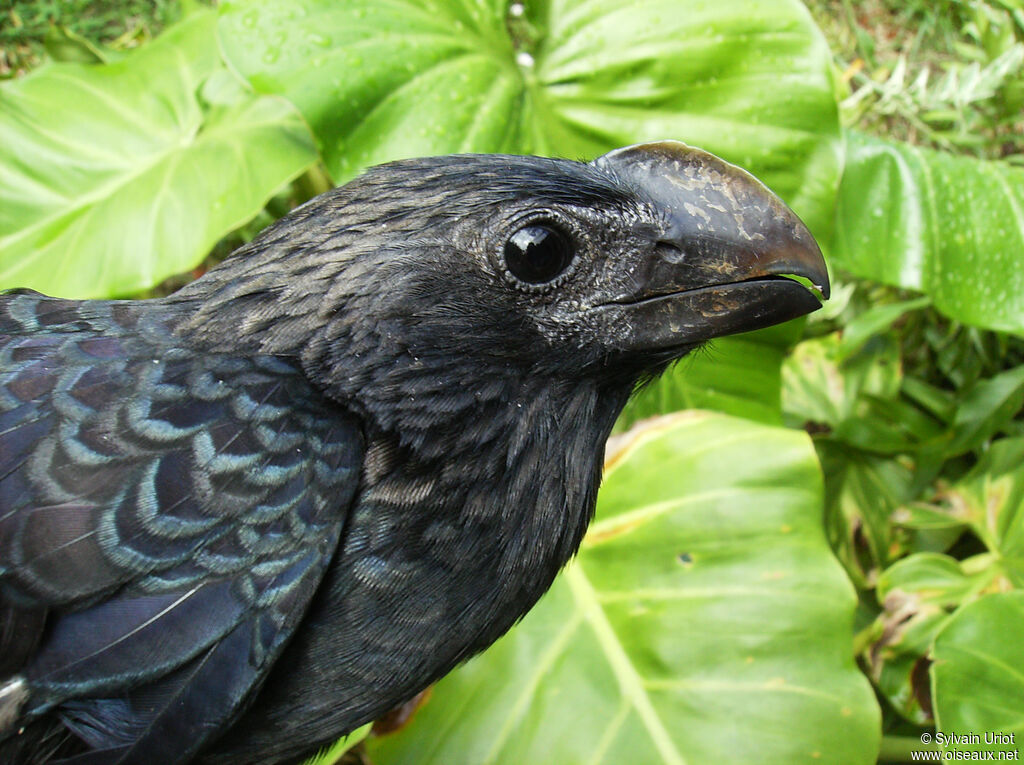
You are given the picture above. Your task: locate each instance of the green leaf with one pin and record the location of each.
(977, 677)
(917, 594)
(933, 579)
(63, 44)
(951, 227)
(874, 321)
(378, 80)
(937, 401)
(114, 177)
(990, 500)
(333, 753)
(705, 618)
(925, 517)
(819, 386)
(863, 493)
(987, 408)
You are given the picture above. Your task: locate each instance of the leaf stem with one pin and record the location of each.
(899, 748)
(313, 182)
(865, 638)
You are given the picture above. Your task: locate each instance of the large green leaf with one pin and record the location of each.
(115, 176)
(704, 621)
(383, 79)
(951, 227)
(978, 675)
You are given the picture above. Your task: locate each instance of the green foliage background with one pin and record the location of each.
(825, 563)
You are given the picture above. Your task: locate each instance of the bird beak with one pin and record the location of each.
(725, 257)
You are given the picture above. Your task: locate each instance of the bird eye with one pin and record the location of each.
(537, 253)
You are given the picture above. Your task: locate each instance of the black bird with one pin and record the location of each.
(240, 521)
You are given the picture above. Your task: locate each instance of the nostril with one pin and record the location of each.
(670, 251)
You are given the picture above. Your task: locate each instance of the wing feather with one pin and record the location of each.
(169, 515)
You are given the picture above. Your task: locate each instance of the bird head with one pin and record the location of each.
(530, 264)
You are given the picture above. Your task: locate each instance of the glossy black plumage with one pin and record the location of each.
(240, 521)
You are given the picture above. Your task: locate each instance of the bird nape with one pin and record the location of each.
(240, 521)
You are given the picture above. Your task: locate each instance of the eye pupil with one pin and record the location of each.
(537, 254)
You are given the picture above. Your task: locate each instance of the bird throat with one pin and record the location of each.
(497, 488)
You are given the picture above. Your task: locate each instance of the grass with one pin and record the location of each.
(30, 30)
(942, 73)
